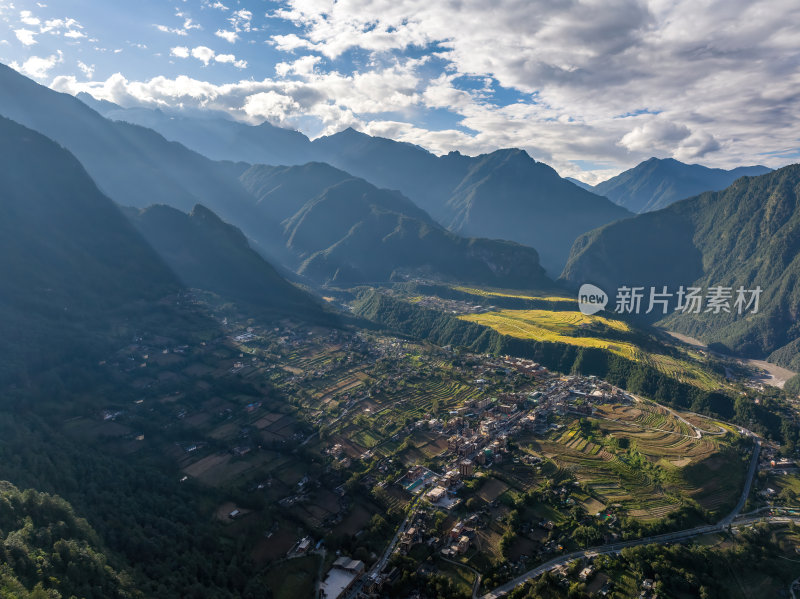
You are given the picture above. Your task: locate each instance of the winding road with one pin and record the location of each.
(670, 537)
(729, 521)
(475, 585)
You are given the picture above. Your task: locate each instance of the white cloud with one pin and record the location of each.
(87, 70)
(203, 53)
(27, 18)
(291, 42)
(696, 146)
(206, 55)
(655, 134)
(55, 26)
(269, 105)
(25, 36)
(38, 67)
(241, 20)
(188, 25)
(228, 36)
(231, 59)
(74, 34)
(601, 82)
(175, 30)
(179, 51)
(302, 66)
(331, 100)
(716, 79)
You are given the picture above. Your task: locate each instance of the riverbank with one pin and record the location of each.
(766, 372)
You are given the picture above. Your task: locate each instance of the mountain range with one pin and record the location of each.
(69, 258)
(74, 267)
(343, 230)
(131, 164)
(138, 167)
(747, 235)
(657, 183)
(209, 254)
(502, 195)
(333, 227)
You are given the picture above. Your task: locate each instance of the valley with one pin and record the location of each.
(331, 435)
(239, 362)
(763, 372)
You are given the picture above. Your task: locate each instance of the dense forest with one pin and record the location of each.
(46, 551)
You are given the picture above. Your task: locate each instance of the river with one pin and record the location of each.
(768, 373)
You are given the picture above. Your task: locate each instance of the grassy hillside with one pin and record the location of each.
(556, 327)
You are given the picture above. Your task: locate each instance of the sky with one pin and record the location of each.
(591, 87)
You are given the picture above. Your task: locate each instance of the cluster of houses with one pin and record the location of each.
(478, 433)
(453, 306)
(459, 539)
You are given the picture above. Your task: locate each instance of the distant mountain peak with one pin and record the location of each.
(657, 182)
(350, 131)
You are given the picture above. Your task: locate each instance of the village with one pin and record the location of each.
(478, 436)
(346, 452)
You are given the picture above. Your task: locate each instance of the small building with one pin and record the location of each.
(304, 545)
(436, 494)
(463, 544)
(341, 577)
(466, 468)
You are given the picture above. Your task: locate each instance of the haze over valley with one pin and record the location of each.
(368, 300)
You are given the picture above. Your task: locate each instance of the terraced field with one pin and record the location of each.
(416, 401)
(556, 327)
(684, 371)
(681, 466)
(515, 294)
(567, 327)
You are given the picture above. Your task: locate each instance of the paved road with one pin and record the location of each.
(378, 567)
(601, 550)
(669, 537)
(747, 484)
